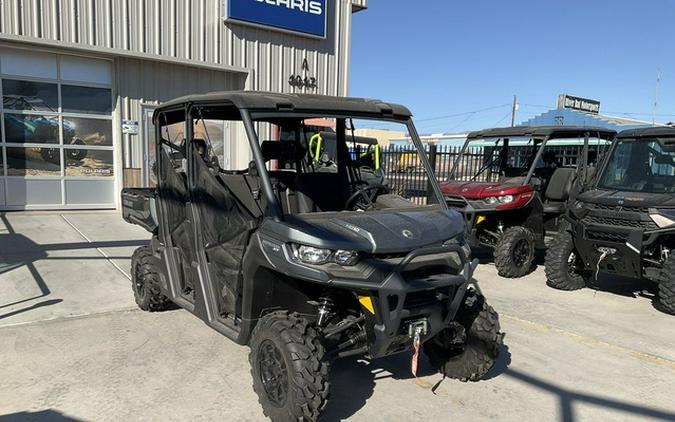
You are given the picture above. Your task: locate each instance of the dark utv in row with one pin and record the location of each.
(624, 221)
(305, 265)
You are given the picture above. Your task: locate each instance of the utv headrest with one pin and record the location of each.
(277, 150)
(202, 147)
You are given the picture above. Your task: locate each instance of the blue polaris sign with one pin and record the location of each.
(302, 16)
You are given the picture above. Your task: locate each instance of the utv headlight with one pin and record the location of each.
(318, 256)
(312, 255)
(506, 199)
(665, 218)
(346, 257)
(492, 200)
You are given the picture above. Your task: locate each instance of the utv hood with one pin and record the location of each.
(629, 199)
(381, 232)
(481, 190)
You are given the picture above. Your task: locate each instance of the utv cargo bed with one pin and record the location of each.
(138, 207)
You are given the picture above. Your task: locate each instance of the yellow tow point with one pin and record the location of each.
(367, 303)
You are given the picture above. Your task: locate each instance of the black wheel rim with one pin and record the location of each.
(521, 252)
(273, 373)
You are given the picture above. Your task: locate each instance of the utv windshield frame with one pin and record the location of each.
(663, 136)
(542, 134)
(232, 111)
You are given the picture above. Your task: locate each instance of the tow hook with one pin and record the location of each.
(604, 253)
(416, 329)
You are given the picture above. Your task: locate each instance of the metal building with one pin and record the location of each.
(80, 79)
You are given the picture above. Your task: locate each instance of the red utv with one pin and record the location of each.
(513, 185)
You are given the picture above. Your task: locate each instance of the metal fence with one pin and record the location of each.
(406, 177)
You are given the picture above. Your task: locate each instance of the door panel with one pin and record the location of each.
(173, 194)
(225, 227)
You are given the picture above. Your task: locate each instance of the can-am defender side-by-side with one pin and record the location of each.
(304, 266)
(513, 185)
(624, 223)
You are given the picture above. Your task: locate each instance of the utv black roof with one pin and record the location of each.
(648, 132)
(541, 132)
(298, 103)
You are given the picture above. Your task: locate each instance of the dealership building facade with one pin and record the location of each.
(80, 79)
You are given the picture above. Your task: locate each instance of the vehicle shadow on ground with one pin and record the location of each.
(627, 287)
(40, 416)
(567, 399)
(353, 379)
(17, 250)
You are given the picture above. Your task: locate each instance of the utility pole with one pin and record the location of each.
(514, 108)
(656, 95)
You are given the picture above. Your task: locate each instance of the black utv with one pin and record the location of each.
(624, 222)
(302, 265)
(513, 184)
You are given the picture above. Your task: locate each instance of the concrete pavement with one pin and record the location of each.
(55, 265)
(569, 356)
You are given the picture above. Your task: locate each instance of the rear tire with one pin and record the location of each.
(467, 350)
(145, 282)
(290, 373)
(514, 252)
(667, 286)
(563, 267)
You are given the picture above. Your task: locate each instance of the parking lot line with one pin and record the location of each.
(590, 341)
(128, 276)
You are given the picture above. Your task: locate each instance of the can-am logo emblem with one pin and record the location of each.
(407, 234)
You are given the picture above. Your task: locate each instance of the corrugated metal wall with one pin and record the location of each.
(193, 32)
(190, 30)
(140, 82)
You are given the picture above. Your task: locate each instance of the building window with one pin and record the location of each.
(29, 95)
(51, 127)
(86, 100)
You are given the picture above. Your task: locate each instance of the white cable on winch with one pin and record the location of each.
(605, 252)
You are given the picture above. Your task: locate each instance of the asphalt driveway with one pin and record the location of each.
(73, 346)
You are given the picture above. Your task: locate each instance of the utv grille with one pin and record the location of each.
(616, 208)
(455, 202)
(425, 297)
(606, 237)
(621, 222)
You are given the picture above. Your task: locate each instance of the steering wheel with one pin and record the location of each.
(364, 197)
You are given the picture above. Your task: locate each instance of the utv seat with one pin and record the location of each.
(558, 190)
(319, 192)
(204, 151)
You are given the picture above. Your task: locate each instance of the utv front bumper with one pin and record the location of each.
(624, 246)
(403, 289)
(404, 299)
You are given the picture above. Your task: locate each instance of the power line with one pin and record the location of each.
(496, 124)
(448, 116)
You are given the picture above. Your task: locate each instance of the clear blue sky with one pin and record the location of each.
(443, 57)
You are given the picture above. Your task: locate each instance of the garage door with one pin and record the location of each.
(56, 131)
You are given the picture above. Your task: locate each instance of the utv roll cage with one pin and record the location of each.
(537, 133)
(248, 107)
